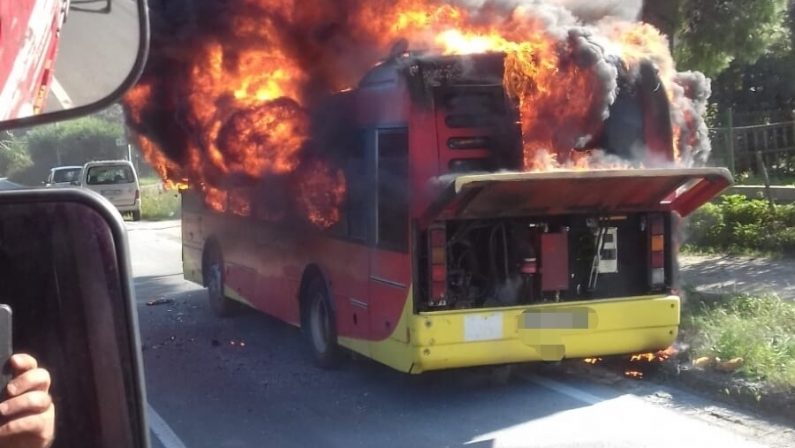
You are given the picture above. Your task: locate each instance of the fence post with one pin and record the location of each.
(792, 143)
(730, 140)
(760, 161)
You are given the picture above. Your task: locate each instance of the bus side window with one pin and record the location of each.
(359, 188)
(393, 207)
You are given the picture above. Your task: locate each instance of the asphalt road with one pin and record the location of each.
(247, 381)
(727, 274)
(96, 54)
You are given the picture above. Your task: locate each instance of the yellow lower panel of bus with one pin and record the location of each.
(549, 332)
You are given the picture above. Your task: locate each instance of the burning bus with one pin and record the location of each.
(506, 196)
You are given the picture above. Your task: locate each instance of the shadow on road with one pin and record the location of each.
(256, 379)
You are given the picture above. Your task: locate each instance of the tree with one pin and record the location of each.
(709, 35)
(13, 154)
(69, 143)
(761, 91)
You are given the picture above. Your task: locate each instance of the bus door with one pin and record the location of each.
(390, 271)
(351, 261)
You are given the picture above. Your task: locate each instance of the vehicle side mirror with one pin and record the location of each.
(75, 183)
(63, 59)
(65, 272)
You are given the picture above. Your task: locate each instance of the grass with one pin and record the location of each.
(158, 205)
(761, 330)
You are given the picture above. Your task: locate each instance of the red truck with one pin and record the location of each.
(29, 35)
(447, 254)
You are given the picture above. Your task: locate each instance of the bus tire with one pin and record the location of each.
(213, 273)
(321, 327)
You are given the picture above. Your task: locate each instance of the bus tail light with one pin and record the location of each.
(437, 250)
(657, 251)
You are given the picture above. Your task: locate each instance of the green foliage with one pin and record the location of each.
(69, 143)
(711, 34)
(749, 178)
(13, 156)
(705, 226)
(761, 330)
(735, 224)
(157, 205)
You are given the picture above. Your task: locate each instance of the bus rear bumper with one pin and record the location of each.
(549, 332)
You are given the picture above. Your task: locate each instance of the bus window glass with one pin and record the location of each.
(392, 189)
(359, 190)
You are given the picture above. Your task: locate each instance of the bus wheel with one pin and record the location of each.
(220, 305)
(321, 329)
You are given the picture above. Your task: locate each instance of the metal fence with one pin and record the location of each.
(742, 148)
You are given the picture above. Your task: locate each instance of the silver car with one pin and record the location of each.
(117, 181)
(64, 176)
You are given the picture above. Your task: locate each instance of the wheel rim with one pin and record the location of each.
(319, 323)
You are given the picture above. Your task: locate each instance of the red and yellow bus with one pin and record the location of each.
(29, 35)
(446, 254)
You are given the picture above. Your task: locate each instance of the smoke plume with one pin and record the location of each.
(230, 86)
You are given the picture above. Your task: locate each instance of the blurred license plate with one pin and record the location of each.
(110, 192)
(556, 321)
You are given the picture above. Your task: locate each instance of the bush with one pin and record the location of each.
(761, 330)
(158, 205)
(706, 226)
(736, 224)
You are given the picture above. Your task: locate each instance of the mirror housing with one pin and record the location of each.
(46, 49)
(65, 272)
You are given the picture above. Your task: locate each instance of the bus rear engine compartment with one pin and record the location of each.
(521, 261)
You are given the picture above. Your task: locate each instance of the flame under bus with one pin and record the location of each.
(446, 254)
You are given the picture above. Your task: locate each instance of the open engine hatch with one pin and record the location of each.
(500, 195)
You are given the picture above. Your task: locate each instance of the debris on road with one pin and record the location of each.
(160, 301)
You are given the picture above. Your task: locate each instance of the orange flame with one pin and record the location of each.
(659, 356)
(247, 87)
(637, 374)
(239, 203)
(321, 191)
(648, 357)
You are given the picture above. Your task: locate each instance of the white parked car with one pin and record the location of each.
(117, 181)
(64, 176)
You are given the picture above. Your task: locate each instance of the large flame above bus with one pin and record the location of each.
(229, 85)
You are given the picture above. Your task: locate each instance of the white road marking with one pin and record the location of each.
(561, 388)
(164, 433)
(60, 94)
